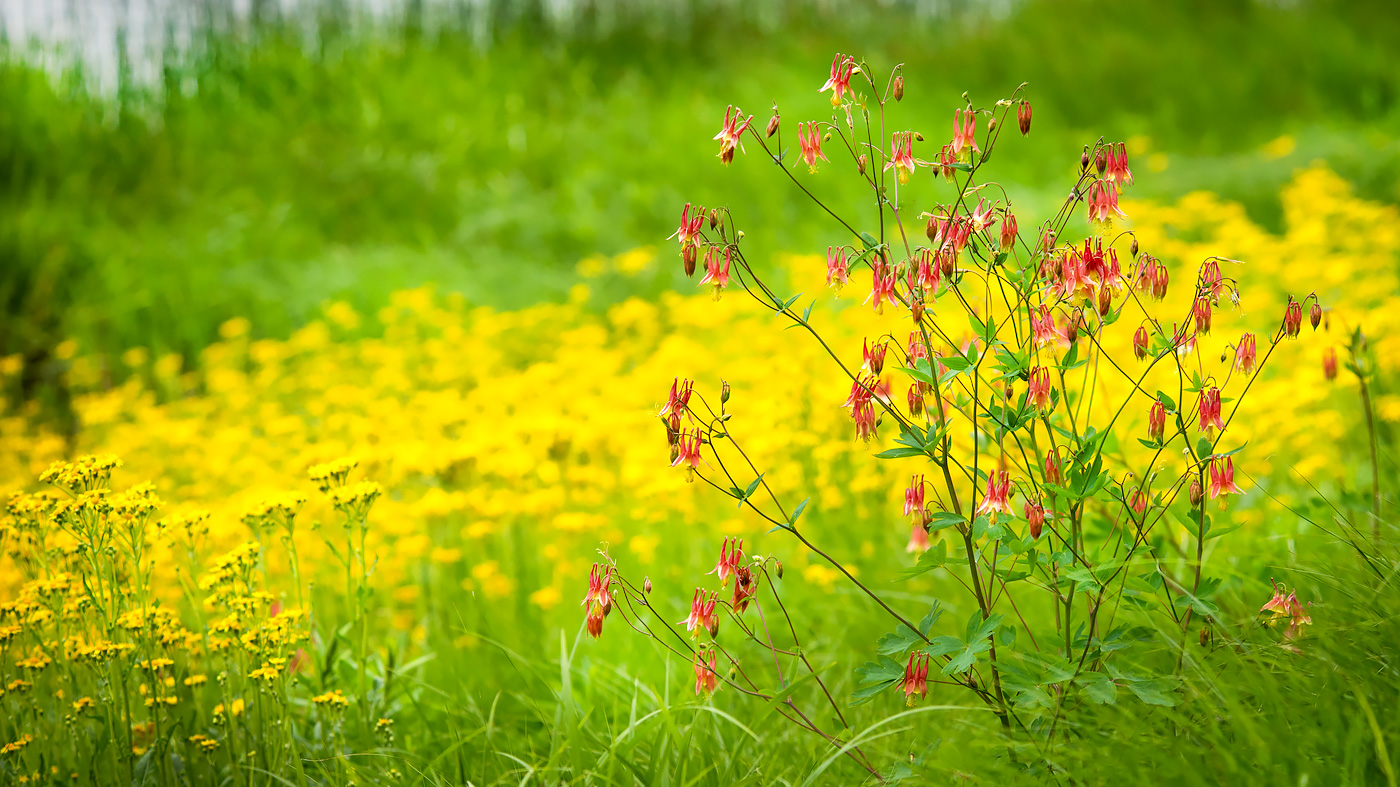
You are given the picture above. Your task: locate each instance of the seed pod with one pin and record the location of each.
(773, 124)
(723, 391)
(1195, 493)
(899, 88)
(931, 229)
(1072, 329)
(860, 164)
(646, 585)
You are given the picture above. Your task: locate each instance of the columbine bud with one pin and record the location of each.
(1159, 281)
(1329, 363)
(1195, 493)
(1035, 517)
(778, 568)
(1009, 230)
(916, 400)
(1105, 302)
(1292, 319)
(646, 585)
(723, 391)
(1052, 468)
(688, 259)
(860, 164)
(1140, 342)
(1101, 160)
(1315, 316)
(1023, 117)
(991, 125)
(714, 218)
(899, 88)
(1084, 159)
(917, 309)
(1157, 421)
(773, 124)
(1201, 310)
(1072, 329)
(1133, 249)
(931, 229)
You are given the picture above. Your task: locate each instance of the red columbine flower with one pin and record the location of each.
(599, 599)
(1278, 605)
(715, 272)
(745, 586)
(1103, 202)
(915, 680)
(678, 401)
(594, 621)
(926, 277)
(946, 159)
(1035, 517)
(1009, 231)
(873, 358)
(1038, 388)
(811, 147)
(687, 451)
(1023, 117)
(1160, 281)
(1210, 410)
(1052, 468)
(1245, 354)
(1116, 166)
(1140, 342)
(702, 613)
(918, 539)
(1138, 501)
(964, 136)
(1329, 363)
(689, 230)
(1292, 318)
(902, 155)
(1298, 615)
(729, 136)
(706, 675)
(1315, 315)
(837, 271)
(1044, 331)
(914, 499)
(729, 560)
(917, 349)
(863, 413)
(996, 500)
(840, 80)
(1222, 478)
(1201, 312)
(882, 286)
(1157, 421)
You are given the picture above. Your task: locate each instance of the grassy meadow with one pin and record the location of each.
(330, 369)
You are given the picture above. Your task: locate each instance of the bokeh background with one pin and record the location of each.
(241, 237)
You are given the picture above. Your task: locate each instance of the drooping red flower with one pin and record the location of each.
(842, 67)
(1245, 354)
(902, 155)
(1035, 517)
(1292, 318)
(1222, 478)
(1157, 421)
(837, 272)
(915, 680)
(1210, 410)
(1329, 363)
(811, 146)
(964, 132)
(997, 497)
(706, 672)
(702, 614)
(731, 556)
(1038, 388)
(730, 134)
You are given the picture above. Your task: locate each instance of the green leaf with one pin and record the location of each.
(1098, 688)
(1160, 691)
(797, 512)
(867, 693)
(956, 363)
(931, 559)
(1166, 401)
(900, 641)
(934, 613)
(942, 646)
(870, 243)
(884, 668)
(807, 312)
(944, 519)
(979, 629)
(963, 661)
(1202, 448)
(791, 301)
(1153, 444)
(902, 452)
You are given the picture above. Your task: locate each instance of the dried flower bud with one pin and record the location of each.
(931, 229)
(723, 391)
(1133, 249)
(1205, 636)
(1072, 329)
(1315, 316)
(1105, 301)
(1101, 160)
(1023, 117)
(860, 164)
(1084, 159)
(646, 585)
(899, 88)
(773, 124)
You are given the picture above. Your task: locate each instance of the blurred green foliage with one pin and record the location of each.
(268, 174)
